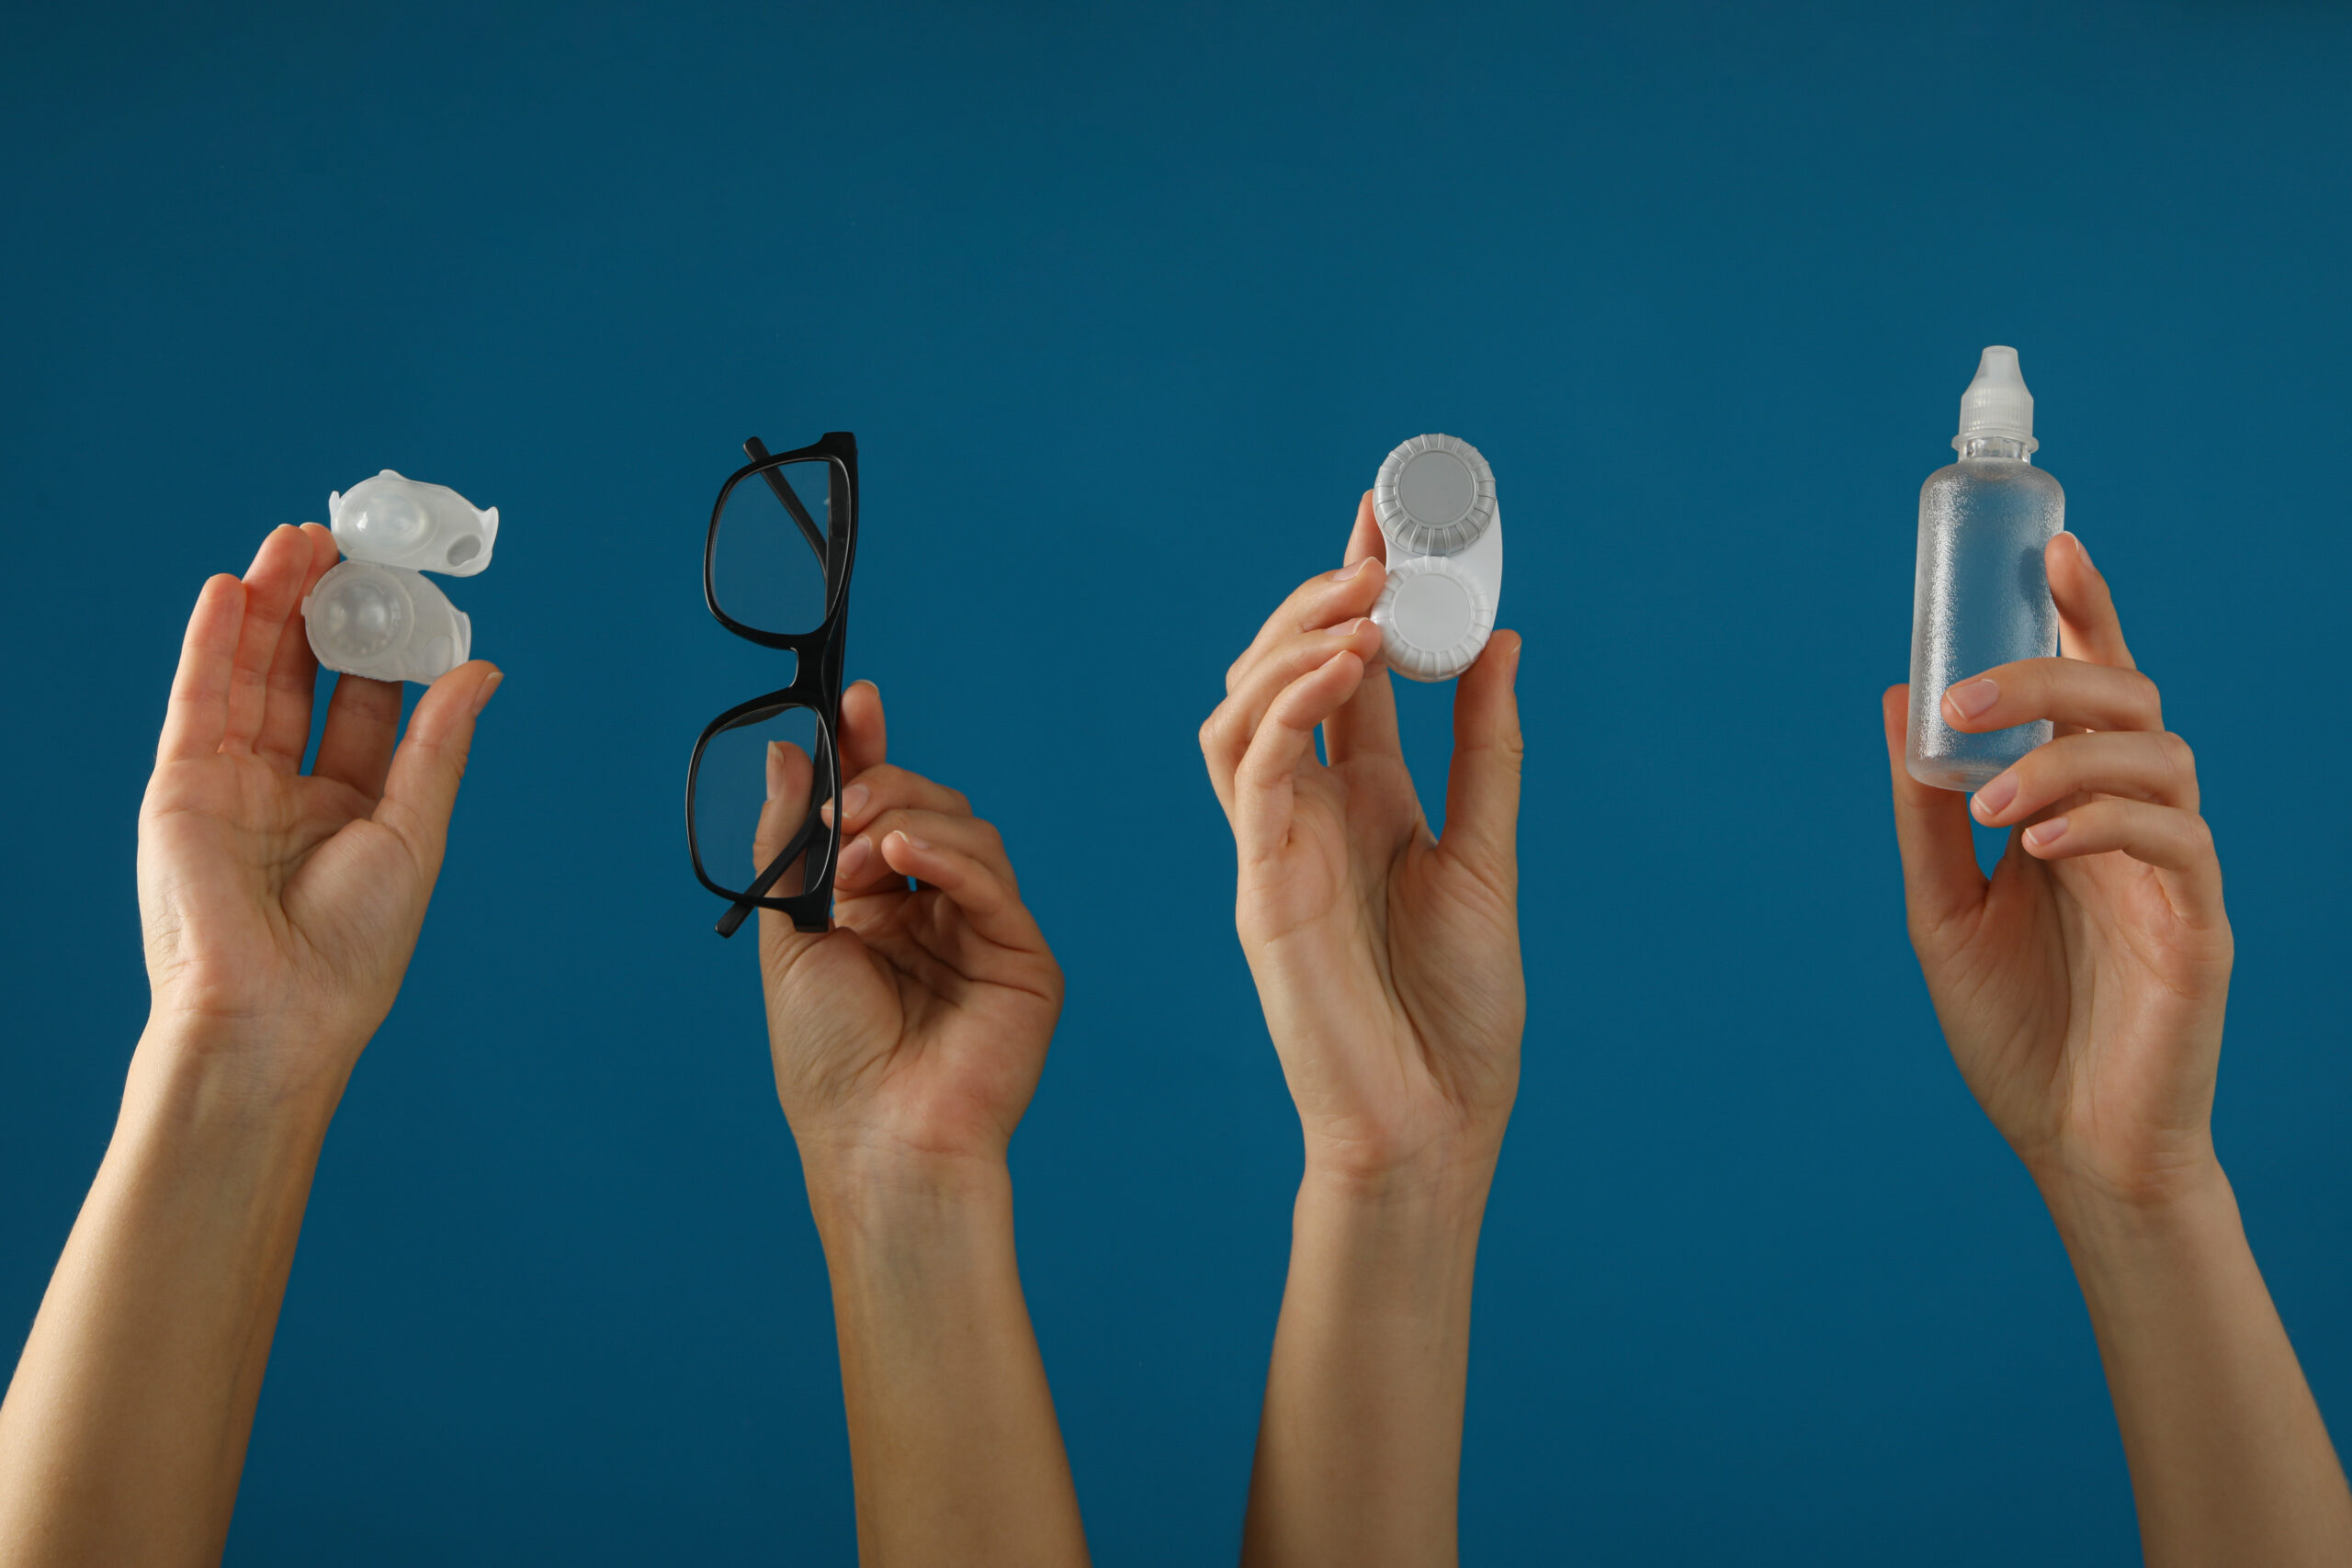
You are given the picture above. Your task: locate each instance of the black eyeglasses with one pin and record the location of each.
(775, 570)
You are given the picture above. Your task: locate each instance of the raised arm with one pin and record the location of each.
(908, 1041)
(2081, 988)
(279, 911)
(1387, 962)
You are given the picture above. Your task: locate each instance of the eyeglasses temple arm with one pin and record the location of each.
(741, 907)
(757, 451)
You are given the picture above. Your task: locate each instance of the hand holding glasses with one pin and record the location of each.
(775, 570)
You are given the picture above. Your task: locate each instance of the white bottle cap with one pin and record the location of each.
(1996, 403)
(1435, 496)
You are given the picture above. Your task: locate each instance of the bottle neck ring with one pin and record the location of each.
(2009, 446)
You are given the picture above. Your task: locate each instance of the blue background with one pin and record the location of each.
(1124, 304)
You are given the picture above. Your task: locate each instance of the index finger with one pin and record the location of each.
(1321, 600)
(1365, 724)
(2065, 691)
(294, 671)
(197, 715)
(2088, 627)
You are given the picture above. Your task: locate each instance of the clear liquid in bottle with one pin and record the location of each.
(1981, 597)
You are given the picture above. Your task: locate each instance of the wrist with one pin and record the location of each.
(2113, 1231)
(223, 1160)
(2147, 1194)
(206, 1075)
(1434, 1169)
(1439, 1183)
(1420, 1224)
(857, 1190)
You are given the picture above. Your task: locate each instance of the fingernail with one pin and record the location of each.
(920, 845)
(1995, 797)
(487, 689)
(1972, 697)
(854, 854)
(1347, 573)
(1350, 628)
(871, 687)
(853, 801)
(2080, 546)
(2041, 835)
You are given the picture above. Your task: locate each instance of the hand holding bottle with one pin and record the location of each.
(2082, 986)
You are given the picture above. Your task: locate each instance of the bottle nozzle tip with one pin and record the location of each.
(1996, 402)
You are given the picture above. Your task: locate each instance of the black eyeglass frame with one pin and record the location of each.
(818, 656)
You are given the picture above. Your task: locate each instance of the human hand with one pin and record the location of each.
(279, 908)
(1386, 959)
(918, 1025)
(2082, 987)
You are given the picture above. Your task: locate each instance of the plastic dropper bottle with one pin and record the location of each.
(1982, 597)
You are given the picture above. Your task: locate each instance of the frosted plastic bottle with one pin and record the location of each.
(1981, 597)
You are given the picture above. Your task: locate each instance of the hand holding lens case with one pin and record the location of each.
(1435, 503)
(375, 613)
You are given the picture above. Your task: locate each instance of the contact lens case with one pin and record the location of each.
(375, 613)
(1435, 501)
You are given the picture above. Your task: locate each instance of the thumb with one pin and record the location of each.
(1940, 878)
(421, 789)
(1482, 788)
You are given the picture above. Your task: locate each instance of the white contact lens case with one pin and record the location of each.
(1435, 503)
(375, 613)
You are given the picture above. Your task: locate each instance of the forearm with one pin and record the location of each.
(2230, 1461)
(953, 1440)
(1360, 1448)
(124, 1428)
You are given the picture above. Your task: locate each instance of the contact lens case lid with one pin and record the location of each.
(1435, 613)
(1435, 495)
(392, 520)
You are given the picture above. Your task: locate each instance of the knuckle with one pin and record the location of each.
(1219, 734)
(2033, 770)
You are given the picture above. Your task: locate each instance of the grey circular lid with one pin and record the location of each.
(1433, 617)
(1435, 495)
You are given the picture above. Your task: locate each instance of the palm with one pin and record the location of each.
(922, 1017)
(2080, 1045)
(885, 1023)
(275, 883)
(1415, 962)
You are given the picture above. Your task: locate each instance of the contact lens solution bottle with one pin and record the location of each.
(1981, 597)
